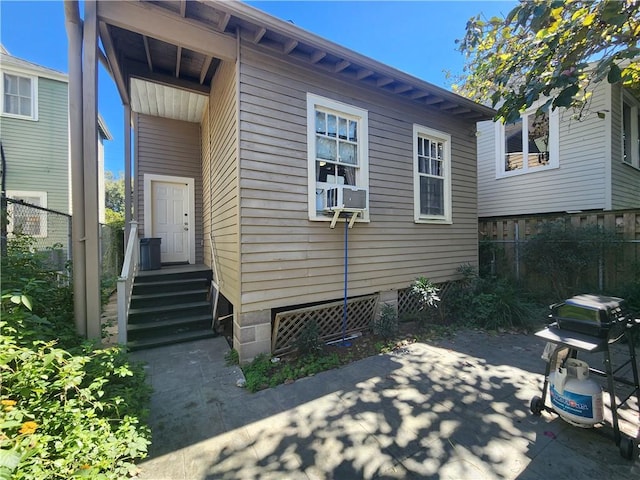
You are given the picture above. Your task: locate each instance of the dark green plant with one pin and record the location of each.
(264, 372)
(66, 412)
(565, 256)
(28, 271)
(232, 357)
(308, 340)
(386, 324)
(489, 303)
(67, 407)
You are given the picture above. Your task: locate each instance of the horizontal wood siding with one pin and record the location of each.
(37, 154)
(220, 174)
(625, 179)
(288, 259)
(169, 147)
(578, 183)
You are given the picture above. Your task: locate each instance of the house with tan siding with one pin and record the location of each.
(590, 163)
(271, 156)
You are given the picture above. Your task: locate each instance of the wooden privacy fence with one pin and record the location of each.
(507, 237)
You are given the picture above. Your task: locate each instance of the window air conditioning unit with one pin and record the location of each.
(347, 198)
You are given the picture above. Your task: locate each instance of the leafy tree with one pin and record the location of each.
(114, 199)
(114, 191)
(551, 50)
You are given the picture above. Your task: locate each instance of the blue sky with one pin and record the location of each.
(417, 37)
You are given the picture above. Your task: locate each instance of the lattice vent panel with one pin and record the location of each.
(409, 303)
(289, 325)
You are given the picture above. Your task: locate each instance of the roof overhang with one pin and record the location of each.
(178, 45)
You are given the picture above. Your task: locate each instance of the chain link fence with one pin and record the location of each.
(50, 234)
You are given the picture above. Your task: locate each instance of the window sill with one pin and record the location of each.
(635, 167)
(517, 173)
(326, 218)
(18, 117)
(434, 221)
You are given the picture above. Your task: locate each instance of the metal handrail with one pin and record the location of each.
(125, 281)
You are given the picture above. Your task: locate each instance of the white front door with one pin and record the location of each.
(170, 220)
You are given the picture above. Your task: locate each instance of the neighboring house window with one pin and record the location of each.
(24, 219)
(337, 149)
(432, 175)
(631, 133)
(529, 144)
(19, 97)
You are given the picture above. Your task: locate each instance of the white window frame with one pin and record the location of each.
(344, 110)
(445, 138)
(20, 195)
(553, 147)
(34, 95)
(634, 157)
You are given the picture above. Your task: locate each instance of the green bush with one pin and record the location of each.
(308, 340)
(565, 257)
(264, 372)
(489, 302)
(386, 324)
(67, 408)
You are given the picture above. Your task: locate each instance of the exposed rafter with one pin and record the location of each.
(205, 69)
(384, 81)
(402, 89)
(316, 56)
(289, 46)
(160, 23)
(138, 70)
(178, 61)
(459, 110)
(107, 43)
(259, 34)
(224, 21)
(447, 106)
(147, 51)
(341, 65)
(433, 100)
(363, 73)
(418, 95)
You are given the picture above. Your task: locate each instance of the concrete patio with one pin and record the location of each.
(454, 409)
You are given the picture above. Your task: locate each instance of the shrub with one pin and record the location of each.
(386, 324)
(489, 302)
(264, 372)
(308, 340)
(565, 256)
(427, 294)
(67, 408)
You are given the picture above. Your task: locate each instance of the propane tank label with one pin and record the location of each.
(573, 403)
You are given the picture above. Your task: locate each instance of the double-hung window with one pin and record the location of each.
(19, 96)
(26, 219)
(528, 144)
(630, 132)
(337, 150)
(431, 175)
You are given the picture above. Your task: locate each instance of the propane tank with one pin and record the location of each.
(574, 396)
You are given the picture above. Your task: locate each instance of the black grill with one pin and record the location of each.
(595, 315)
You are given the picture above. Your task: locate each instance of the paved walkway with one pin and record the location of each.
(457, 409)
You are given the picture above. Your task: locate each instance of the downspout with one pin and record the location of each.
(73, 25)
(4, 220)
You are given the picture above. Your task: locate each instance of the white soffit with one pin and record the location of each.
(163, 101)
